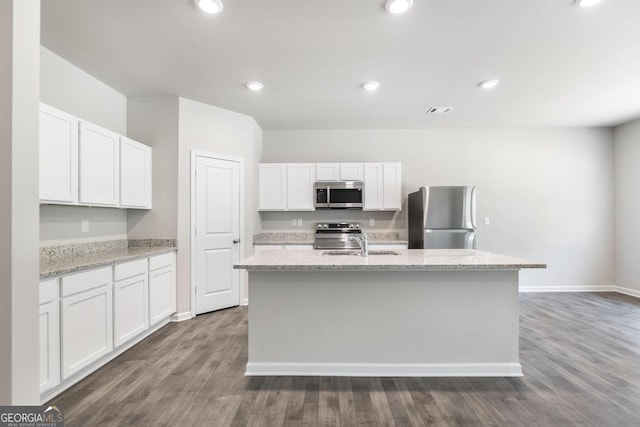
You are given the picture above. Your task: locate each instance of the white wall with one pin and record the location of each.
(627, 205)
(217, 131)
(547, 192)
(19, 94)
(154, 121)
(67, 87)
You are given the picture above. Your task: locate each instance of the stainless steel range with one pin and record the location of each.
(337, 235)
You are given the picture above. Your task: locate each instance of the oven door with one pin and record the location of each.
(346, 195)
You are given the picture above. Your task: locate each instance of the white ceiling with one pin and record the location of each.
(559, 65)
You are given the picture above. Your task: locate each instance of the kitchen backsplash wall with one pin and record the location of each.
(383, 221)
(63, 224)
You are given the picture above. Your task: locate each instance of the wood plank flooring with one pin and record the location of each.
(580, 354)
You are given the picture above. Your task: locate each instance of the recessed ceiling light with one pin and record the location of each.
(255, 86)
(587, 3)
(398, 6)
(209, 6)
(489, 84)
(370, 86)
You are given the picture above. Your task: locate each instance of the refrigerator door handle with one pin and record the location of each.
(473, 207)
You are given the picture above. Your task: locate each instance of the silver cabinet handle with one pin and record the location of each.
(236, 241)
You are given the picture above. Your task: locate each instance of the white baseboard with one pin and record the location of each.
(181, 317)
(385, 369)
(603, 288)
(52, 393)
(628, 291)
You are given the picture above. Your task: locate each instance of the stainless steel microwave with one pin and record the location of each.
(338, 195)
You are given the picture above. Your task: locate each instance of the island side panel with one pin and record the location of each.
(416, 323)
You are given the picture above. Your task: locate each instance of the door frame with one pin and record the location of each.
(192, 232)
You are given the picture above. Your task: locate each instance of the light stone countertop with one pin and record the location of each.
(406, 260)
(50, 267)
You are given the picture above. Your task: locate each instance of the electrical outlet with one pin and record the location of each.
(299, 222)
(372, 221)
(85, 225)
(294, 222)
(487, 220)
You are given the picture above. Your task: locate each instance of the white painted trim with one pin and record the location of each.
(195, 154)
(385, 369)
(602, 288)
(181, 317)
(85, 372)
(628, 291)
(245, 301)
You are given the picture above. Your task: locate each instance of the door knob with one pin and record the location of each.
(235, 241)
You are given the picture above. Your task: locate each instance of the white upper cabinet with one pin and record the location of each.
(58, 156)
(273, 186)
(135, 174)
(351, 172)
(373, 187)
(99, 165)
(392, 186)
(300, 179)
(327, 172)
(382, 187)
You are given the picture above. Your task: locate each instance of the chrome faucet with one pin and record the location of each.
(363, 242)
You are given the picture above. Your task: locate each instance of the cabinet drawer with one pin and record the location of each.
(85, 281)
(129, 269)
(49, 291)
(161, 261)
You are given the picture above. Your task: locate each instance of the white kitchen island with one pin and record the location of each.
(418, 313)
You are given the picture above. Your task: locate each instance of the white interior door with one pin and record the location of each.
(217, 233)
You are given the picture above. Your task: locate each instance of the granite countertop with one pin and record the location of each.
(308, 238)
(406, 260)
(65, 259)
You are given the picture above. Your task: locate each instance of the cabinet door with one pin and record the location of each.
(130, 308)
(351, 172)
(87, 328)
(135, 174)
(162, 294)
(99, 165)
(58, 156)
(300, 179)
(273, 187)
(392, 193)
(327, 172)
(373, 187)
(49, 335)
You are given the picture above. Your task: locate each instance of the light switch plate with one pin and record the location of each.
(372, 221)
(487, 220)
(299, 222)
(85, 225)
(294, 222)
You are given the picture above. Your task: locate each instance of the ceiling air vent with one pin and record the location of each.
(439, 110)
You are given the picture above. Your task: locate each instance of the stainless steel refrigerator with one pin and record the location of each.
(442, 218)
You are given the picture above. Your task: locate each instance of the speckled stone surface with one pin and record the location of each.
(284, 238)
(304, 238)
(406, 260)
(65, 259)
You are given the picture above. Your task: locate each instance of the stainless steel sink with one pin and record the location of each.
(383, 253)
(358, 253)
(341, 253)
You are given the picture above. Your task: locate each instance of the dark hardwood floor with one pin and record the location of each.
(580, 354)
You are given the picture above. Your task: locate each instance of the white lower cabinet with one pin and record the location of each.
(130, 300)
(49, 321)
(87, 319)
(162, 287)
